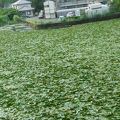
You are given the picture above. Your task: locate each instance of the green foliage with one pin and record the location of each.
(38, 5)
(17, 18)
(7, 1)
(11, 12)
(75, 18)
(61, 74)
(3, 20)
(6, 15)
(115, 6)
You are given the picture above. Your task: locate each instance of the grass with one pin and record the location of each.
(61, 74)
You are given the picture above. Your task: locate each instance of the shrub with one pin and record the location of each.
(16, 18)
(115, 6)
(12, 12)
(9, 12)
(7, 16)
(3, 20)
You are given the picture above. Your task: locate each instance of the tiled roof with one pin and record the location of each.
(26, 8)
(20, 2)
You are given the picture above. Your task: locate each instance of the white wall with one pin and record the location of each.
(50, 9)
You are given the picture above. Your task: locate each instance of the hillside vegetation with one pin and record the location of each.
(61, 74)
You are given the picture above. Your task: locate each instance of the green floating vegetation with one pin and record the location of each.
(61, 74)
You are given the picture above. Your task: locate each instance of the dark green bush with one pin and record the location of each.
(4, 11)
(3, 20)
(7, 15)
(66, 23)
(115, 6)
(16, 18)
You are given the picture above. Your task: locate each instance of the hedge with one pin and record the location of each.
(70, 23)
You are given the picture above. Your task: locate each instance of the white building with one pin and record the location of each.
(24, 7)
(49, 9)
(97, 9)
(59, 8)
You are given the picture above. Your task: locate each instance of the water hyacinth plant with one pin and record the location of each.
(61, 74)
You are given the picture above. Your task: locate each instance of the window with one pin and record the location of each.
(28, 12)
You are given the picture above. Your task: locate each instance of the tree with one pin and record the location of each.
(38, 5)
(3, 2)
(116, 5)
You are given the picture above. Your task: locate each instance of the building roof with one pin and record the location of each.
(26, 8)
(20, 2)
(95, 5)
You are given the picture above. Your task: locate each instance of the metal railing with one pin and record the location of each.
(72, 3)
(76, 2)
